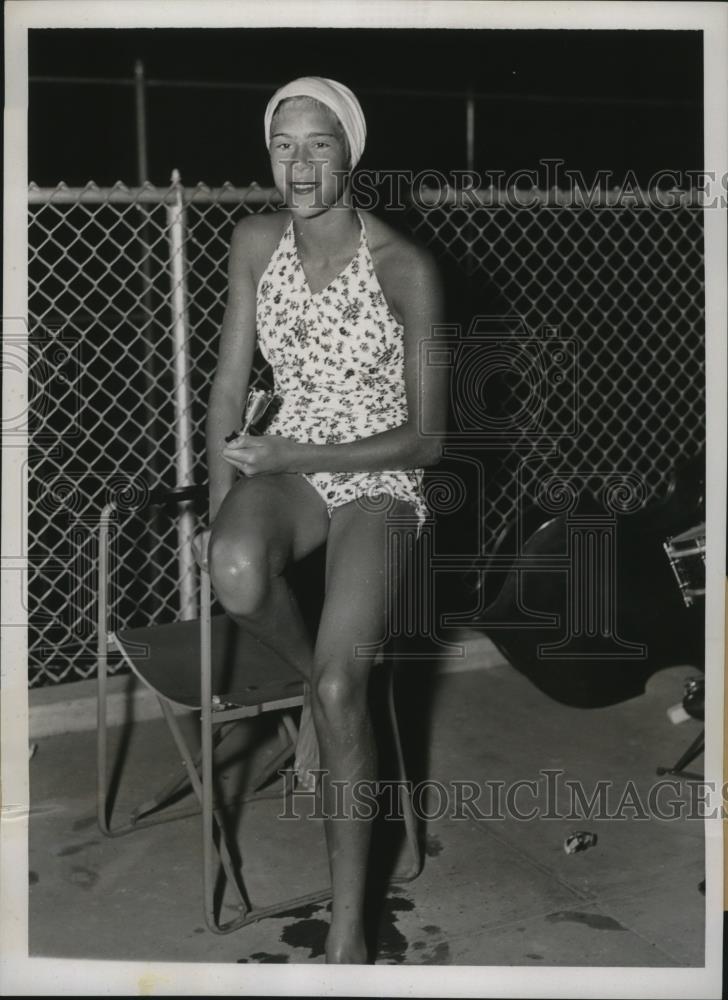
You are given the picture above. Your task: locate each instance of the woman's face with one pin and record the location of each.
(309, 156)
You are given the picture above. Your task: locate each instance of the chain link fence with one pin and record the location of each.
(126, 296)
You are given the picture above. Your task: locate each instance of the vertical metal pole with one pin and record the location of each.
(470, 132)
(469, 230)
(151, 433)
(140, 95)
(182, 397)
(143, 237)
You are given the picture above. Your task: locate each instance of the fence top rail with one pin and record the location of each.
(147, 193)
(422, 197)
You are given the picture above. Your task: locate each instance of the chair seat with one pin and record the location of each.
(245, 672)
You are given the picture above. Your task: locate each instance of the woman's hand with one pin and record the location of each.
(261, 454)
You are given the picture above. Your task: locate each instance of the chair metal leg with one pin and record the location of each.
(101, 742)
(410, 820)
(678, 768)
(101, 670)
(290, 727)
(139, 818)
(205, 786)
(174, 787)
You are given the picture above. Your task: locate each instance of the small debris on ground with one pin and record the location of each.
(581, 840)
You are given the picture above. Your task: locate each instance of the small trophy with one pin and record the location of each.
(258, 403)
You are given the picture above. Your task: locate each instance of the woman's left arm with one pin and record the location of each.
(415, 290)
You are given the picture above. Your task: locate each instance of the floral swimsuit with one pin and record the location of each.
(337, 358)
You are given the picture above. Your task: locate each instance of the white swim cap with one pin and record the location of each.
(336, 97)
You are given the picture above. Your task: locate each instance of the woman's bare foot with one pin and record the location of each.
(346, 949)
(307, 749)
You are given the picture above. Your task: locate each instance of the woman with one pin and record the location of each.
(339, 303)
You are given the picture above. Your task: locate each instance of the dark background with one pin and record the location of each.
(600, 100)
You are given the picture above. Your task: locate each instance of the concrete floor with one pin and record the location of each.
(493, 891)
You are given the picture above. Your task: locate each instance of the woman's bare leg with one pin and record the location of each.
(263, 523)
(354, 613)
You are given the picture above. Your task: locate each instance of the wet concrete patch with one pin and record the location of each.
(595, 920)
(84, 877)
(263, 958)
(83, 824)
(64, 852)
(433, 845)
(392, 944)
(308, 933)
(304, 929)
(440, 955)
(439, 950)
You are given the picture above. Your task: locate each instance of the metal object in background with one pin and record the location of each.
(686, 553)
(140, 107)
(470, 132)
(624, 283)
(694, 697)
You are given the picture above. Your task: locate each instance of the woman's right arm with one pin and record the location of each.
(235, 361)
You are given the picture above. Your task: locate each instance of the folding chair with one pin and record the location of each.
(213, 668)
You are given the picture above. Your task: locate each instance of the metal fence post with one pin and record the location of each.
(144, 241)
(176, 225)
(470, 132)
(140, 106)
(470, 233)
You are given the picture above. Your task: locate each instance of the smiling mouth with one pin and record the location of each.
(303, 188)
